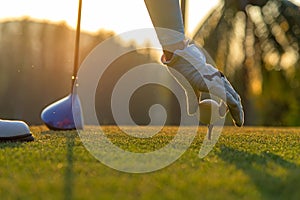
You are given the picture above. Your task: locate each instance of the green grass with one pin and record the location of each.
(246, 163)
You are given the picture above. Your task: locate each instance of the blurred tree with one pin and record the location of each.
(256, 44)
(36, 61)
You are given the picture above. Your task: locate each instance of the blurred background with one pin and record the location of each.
(254, 42)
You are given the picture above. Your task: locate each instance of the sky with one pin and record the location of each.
(117, 15)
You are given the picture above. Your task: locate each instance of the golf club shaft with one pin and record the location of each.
(77, 42)
(183, 11)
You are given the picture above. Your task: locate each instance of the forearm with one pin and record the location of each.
(166, 14)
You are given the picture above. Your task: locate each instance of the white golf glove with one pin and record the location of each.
(191, 63)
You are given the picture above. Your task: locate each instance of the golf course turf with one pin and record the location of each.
(246, 163)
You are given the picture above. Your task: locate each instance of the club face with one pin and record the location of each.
(59, 115)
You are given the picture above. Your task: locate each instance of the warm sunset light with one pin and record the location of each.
(116, 15)
(97, 103)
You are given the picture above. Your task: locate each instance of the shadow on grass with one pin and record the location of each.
(70, 137)
(13, 144)
(69, 174)
(261, 170)
(4, 145)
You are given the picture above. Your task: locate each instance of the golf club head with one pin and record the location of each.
(59, 115)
